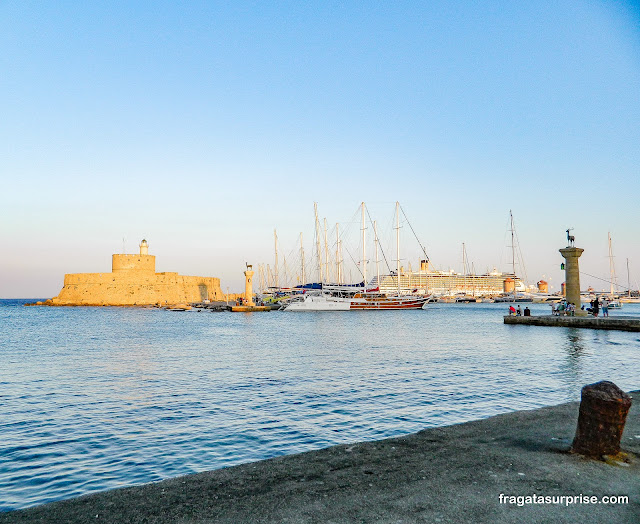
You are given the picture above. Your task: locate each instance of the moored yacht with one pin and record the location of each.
(359, 301)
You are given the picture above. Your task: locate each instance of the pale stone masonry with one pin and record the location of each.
(572, 276)
(133, 281)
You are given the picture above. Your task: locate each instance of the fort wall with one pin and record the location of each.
(134, 282)
(144, 263)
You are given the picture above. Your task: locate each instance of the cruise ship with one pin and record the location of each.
(448, 283)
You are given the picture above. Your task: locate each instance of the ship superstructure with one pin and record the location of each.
(447, 283)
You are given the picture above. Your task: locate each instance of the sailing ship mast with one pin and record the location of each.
(513, 254)
(304, 276)
(275, 237)
(338, 258)
(628, 281)
(375, 234)
(464, 267)
(473, 278)
(318, 248)
(612, 268)
(326, 253)
(398, 244)
(284, 268)
(364, 251)
(261, 276)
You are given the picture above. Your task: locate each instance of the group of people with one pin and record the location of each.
(595, 307)
(518, 312)
(569, 308)
(564, 308)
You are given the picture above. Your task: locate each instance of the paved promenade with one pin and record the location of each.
(451, 474)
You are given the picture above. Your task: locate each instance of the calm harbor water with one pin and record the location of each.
(99, 398)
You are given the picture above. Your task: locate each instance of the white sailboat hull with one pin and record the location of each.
(359, 302)
(320, 303)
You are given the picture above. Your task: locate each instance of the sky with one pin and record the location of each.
(204, 126)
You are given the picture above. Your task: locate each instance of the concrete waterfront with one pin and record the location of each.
(614, 323)
(461, 473)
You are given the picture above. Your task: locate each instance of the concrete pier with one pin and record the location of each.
(248, 309)
(614, 323)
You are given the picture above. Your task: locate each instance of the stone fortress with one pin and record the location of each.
(133, 281)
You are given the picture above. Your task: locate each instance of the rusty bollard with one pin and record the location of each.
(603, 413)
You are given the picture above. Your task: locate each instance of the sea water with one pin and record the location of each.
(100, 398)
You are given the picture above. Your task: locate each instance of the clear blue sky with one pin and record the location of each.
(203, 126)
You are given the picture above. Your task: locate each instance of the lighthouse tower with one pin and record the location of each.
(144, 247)
(248, 288)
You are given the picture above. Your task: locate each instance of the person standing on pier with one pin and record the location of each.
(605, 307)
(596, 307)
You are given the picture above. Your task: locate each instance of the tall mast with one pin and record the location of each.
(513, 255)
(375, 233)
(464, 268)
(513, 249)
(612, 267)
(318, 248)
(261, 276)
(628, 280)
(338, 261)
(275, 238)
(284, 267)
(304, 276)
(326, 253)
(473, 277)
(364, 251)
(398, 243)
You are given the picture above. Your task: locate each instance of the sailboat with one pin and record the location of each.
(628, 298)
(513, 295)
(344, 298)
(613, 303)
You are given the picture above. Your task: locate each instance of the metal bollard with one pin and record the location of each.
(603, 413)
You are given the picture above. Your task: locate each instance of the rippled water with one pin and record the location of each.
(97, 398)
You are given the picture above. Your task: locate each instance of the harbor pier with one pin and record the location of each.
(612, 323)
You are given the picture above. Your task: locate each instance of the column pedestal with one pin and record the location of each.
(248, 287)
(572, 277)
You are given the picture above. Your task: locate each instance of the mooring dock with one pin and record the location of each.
(614, 323)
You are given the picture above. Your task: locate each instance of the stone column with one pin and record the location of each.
(248, 287)
(572, 276)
